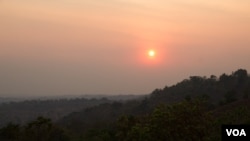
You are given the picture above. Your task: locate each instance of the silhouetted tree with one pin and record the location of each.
(186, 121)
(42, 129)
(10, 132)
(241, 76)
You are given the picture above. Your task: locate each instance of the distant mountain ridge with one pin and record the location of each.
(121, 97)
(22, 110)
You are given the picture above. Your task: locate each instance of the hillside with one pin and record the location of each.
(193, 109)
(217, 91)
(22, 112)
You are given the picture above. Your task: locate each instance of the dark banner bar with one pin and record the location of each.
(235, 132)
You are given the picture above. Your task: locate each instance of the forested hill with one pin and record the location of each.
(22, 111)
(217, 91)
(25, 111)
(193, 109)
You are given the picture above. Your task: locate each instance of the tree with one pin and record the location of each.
(42, 129)
(124, 125)
(10, 132)
(241, 76)
(186, 121)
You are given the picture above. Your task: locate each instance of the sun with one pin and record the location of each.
(151, 53)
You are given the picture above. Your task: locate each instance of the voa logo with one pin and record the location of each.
(236, 132)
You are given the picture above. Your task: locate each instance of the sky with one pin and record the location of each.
(74, 47)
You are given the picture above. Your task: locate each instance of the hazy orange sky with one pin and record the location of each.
(64, 47)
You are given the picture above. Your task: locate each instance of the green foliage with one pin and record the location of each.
(41, 129)
(124, 125)
(185, 121)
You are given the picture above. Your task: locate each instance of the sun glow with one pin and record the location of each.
(151, 53)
